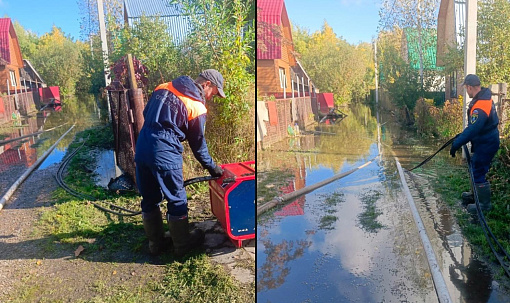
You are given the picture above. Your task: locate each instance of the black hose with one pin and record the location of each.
(60, 181)
(434, 154)
(485, 227)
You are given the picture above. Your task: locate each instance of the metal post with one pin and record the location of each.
(26, 96)
(297, 82)
(284, 85)
(292, 87)
(469, 51)
(303, 83)
(102, 29)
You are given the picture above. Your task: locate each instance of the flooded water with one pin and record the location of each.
(106, 168)
(49, 125)
(355, 239)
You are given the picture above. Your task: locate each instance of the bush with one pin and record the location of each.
(443, 122)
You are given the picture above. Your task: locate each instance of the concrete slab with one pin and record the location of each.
(243, 275)
(214, 240)
(225, 255)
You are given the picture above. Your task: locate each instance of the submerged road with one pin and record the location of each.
(355, 240)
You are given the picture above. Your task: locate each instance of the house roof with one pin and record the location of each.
(302, 69)
(6, 28)
(272, 13)
(28, 67)
(179, 25)
(136, 8)
(3, 62)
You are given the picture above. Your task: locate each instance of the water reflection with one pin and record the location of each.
(19, 154)
(355, 239)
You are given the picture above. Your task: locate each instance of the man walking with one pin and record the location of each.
(482, 131)
(175, 112)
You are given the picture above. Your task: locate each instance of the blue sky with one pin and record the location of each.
(353, 20)
(39, 16)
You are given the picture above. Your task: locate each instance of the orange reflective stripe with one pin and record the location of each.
(485, 105)
(195, 107)
(163, 86)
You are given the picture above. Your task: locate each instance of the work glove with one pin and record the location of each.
(452, 151)
(216, 171)
(454, 147)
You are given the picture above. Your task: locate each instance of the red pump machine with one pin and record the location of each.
(233, 200)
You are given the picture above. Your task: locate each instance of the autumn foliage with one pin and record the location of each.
(440, 121)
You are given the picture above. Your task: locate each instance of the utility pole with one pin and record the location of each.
(102, 30)
(376, 75)
(104, 46)
(469, 51)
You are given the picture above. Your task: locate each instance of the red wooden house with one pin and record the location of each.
(11, 60)
(278, 70)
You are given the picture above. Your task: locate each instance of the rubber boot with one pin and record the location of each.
(484, 197)
(183, 239)
(467, 198)
(153, 226)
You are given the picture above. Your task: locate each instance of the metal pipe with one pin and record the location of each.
(23, 177)
(3, 142)
(295, 194)
(437, 276)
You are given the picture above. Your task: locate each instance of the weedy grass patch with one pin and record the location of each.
(368, 218)
(197, 280)
(327, 221)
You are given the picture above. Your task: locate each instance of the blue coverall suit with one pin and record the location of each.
(482, 131)
(175, 112)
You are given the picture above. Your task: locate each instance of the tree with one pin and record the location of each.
(418, 15)
(493, 45)
(59, 60)
(333, 64)
(148, 40)
(27, 40)
(222, 38)
(90, 21)
(396, 75)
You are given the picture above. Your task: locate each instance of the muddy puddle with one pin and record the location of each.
(355, 240)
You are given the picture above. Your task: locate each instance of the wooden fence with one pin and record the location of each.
(11, 106)
(275, 116)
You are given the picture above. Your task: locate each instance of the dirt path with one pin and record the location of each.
(34, 268)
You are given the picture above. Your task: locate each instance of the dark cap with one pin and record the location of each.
(471, 80)
(216, 78)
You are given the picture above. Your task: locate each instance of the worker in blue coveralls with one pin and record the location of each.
(175, 112)
(482, 131)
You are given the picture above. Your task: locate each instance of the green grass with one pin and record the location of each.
(453, 180)
(72, 222)
(334, 199)
(197, 280)
(368, 218)
(327, 221)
